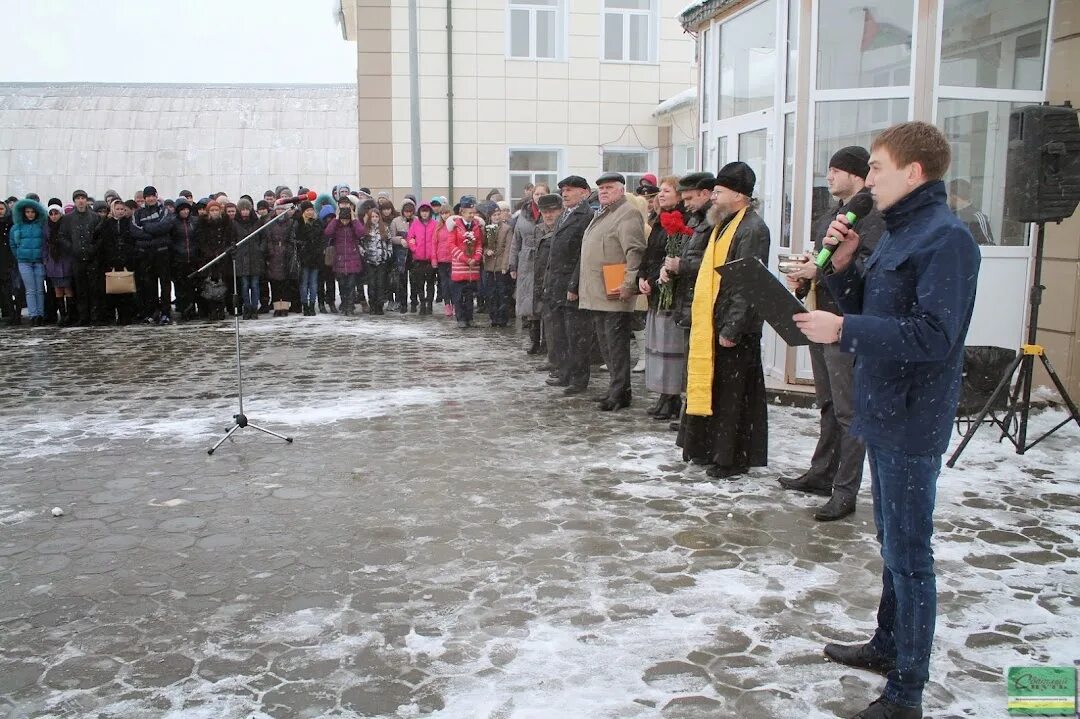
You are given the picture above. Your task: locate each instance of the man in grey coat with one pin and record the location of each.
(836, 469)
(616, 236)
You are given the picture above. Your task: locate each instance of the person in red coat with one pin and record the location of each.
(466, 256)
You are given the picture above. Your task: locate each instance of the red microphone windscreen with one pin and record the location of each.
(311, 196)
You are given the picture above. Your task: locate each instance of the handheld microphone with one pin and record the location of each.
(860, 206)
(308, 196)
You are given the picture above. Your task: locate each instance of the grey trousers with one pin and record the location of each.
(571, 337)
(613, 333)
(838, 457)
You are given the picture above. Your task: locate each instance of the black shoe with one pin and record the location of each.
(836, 508)
(657, 406)
(571, 391)
(599, 398)
(671, 409)
(556, 382)
(718, 471)
(333, 308)
(804, 484)
(322, 308)
(860, 656)
(882, 708)
(610, 406)
(547, 368)
(535, 349)
(673, 426)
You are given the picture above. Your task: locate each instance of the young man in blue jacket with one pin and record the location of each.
(906, 314)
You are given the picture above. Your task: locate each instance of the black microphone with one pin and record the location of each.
(861, 205)
(308, 196)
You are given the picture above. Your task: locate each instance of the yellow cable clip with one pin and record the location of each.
(1032, 350)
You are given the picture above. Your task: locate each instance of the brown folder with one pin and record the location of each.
(614, 276)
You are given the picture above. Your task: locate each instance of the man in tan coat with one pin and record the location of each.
(616, 236)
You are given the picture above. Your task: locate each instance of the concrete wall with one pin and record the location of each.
(55, 138)
(579, 105)
(1059, 315)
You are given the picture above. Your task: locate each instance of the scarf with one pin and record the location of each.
(699, 368)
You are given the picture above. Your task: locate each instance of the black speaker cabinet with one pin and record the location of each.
(1042, 181)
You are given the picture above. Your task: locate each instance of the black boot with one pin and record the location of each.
(657, 405)
(807, 483)
(671, 408)
(882, 708)
(836, 508)
(333, 307)
(860, 656)
(322, 307)
(63, 312)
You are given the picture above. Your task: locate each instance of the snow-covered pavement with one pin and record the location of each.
(448, 537)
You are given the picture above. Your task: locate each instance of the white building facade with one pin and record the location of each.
(469, 95)
(785, 83)
(58, 137)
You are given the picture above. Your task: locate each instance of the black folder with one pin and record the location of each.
(770, 297)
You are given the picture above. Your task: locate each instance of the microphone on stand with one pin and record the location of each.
(860, 206)
(308, 196)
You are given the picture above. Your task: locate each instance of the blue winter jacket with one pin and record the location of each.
(27, 239)
(906, 314)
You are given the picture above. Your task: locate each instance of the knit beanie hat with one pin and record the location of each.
(326, 211)
(212, 204)
(852, 159)
(503, 205)
(57, 207)
(306, 205)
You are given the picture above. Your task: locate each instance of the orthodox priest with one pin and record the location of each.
(725, 424)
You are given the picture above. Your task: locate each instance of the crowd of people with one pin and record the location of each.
(578, 267)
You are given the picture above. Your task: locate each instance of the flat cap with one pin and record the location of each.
(610, 177)
(574, 181)
(694, 180)
(550, 202)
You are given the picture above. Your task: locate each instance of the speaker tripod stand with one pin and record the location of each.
(240, 420)
(1020, 398)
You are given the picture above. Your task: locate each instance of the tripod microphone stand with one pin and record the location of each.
(1020, 399)
(240, 420)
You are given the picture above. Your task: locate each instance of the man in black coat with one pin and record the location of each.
(8, 309)
(695, 190)
(77, 237)
(571, 329)
(837, 466)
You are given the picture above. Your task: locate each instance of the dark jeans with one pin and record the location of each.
(423, 282)
(185, 288)
(327, 282)
(89, 290)
(378, 277)
(499, 287)
(463, 294)
(348, 284)
(249, 292)
(571, 336)
(154, 280)
(838, 457)
(613, 332)
(904, 487)
(444, 283)
(399, 285)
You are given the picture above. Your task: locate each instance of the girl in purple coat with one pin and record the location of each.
(344, 233)
(59, 267)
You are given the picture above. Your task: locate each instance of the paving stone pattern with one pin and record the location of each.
(448, 537)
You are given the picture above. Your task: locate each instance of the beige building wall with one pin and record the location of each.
(579, 105)
(1059, 315)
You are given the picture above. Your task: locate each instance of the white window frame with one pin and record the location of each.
(653, 14)
(650, 162)
(559, 171)
(560, 31)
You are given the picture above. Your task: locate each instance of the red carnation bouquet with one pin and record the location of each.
(677, 232)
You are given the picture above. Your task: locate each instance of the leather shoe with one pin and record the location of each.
(656, 406)
(803, 484)
(571, 390)
(718, 471)
(882, 708)
(835, 508)
(609, 405)
(673, 426)
(556, 382)
(599, 397)
(860, 656)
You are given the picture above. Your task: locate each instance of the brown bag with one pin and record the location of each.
(120, 283)
(328, 256)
